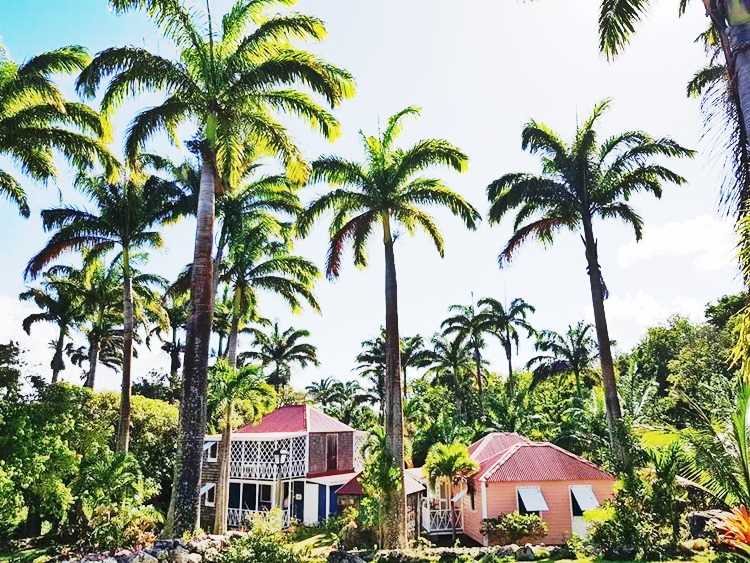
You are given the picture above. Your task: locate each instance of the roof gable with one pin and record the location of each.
(493, 444)
(295, 419)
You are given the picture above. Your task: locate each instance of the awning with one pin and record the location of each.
(584, 496)
(207, 487)
(459, 496)
(533, 499)
(332, 480)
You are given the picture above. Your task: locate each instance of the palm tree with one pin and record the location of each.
(323, 391)
(582, 181)
(448, 361)
(125, 213)
(371, 366)
(452, 463)
(230, 84)
(177, 310)
(385, 191)
(469, 326)
(412, 355)
(572, 352)
(36, 121)
(505, 323)
(59, 305)
(227, 386)
(278, 350)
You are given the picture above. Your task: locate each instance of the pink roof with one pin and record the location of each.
(295, 418)
(539, 461)
(493, 444)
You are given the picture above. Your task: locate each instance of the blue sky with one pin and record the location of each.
(479, 70)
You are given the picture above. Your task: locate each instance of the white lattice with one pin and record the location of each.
(242, 518)
(439, 521)
(254, 459)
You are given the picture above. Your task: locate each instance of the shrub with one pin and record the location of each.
(514, 527)
(123, 526)
(259, 545)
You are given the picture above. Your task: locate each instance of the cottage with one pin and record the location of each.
(295, 458)
(517, 474)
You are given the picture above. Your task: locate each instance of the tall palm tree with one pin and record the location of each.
(177, 310)
(452, 463)
(59, 305)
(36, 121)
(323, 391)
(581, 181)
(449, 362)
(469, 325)
(259, 262)
(125, 214)
(572, 352)
(412, 356)
(384, 191)
(277, 350)
(227, 386)
(230, 83)
(505, 322)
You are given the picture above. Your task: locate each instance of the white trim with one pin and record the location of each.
(484, 485)
(242, 436)
(208, 449)
(208, 443)
(204, 492)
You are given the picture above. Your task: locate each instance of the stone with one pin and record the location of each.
(179, 555)
(164, 544)
(525, 553)
(194, 558)
(344, 557)
(143, 557)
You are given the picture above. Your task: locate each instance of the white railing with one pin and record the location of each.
(254, 459)
(439, 521)
(243, 518)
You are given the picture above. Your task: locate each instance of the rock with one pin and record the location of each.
(506, 550)
(143, 557)
(525, 553)
(164, 544)
(194, 558)
(344, 557)
(179, 555)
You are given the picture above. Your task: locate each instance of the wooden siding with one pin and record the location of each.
(501, 499)
(317, 462)
(209, 474)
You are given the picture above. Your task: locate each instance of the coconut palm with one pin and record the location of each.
(581, 181)
(451, 463)
(277, 350)
(59, 305)
(323, 391)
(259, 261)
(384, 191)
(125, 214)
(227, 386)
(505, 322)
(469, 326)
(562, 354)
(36, 121)
(231, 83)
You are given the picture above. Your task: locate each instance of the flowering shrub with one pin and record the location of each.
(514, 527)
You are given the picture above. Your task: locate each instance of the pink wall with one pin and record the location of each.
(501, 499)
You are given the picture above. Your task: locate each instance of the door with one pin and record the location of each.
(322, 500)
(298, 501)
(332, 448)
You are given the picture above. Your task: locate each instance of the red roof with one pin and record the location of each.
(411, 484)
(493, 444)
(295, 418)
(539, 461)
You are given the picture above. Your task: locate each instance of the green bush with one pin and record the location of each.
(260, 546)
(514, 527)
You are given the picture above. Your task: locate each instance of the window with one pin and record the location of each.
(208, 492)
(472, 501)
(235, 494)
(249, 496)
(332, 447)
(212, 450)
(531, 500)
(264, 497)
(582, 498)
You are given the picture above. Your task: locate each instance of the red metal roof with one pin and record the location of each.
(539, 461)
(411, 485)
(493, 444)
(295, 418)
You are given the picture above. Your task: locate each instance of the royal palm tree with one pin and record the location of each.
(449, 362)
(176, 307)
(562, 354)
(412, 356)
(227, 386)
(451, 463)
(125, 214)
(277, 350)
(504, 323)
(581, 181)
(384, 191)
(323, 391)
(469, 326)
(59, 305)
(36, 121)
(260, 263)
(231, 84)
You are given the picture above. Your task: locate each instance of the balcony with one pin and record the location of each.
(254, 459)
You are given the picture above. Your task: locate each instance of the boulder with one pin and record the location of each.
(344, 557)
(525, 553)
(143, 557)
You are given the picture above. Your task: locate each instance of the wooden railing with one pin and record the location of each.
(440, 520)
(243, 518)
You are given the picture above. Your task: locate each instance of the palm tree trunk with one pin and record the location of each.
(735, 42)
(57, 364)
(93, 360)
(174, 355)
(509, 356)
(194, 374)
(611, 399)
(123, 431)
(222, 486)
(478, 362)
(395, 524)
(217, 260)
(234, 331)
(453, 516)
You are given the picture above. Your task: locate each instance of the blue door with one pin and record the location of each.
(321, 503)
(333, 509)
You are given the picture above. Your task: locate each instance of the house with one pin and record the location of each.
(414, 486)
(516, 474)
(295, 458)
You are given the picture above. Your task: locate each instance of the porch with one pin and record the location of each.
(256, 459)
(438, 521)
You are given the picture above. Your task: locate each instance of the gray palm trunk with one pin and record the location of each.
(194, 374)
(480, 387)
(222, 486)
(123, 431)
(737, 52)
(93, 359)
(509, 356)
(395, 522)
(611, 399)
(57, 364)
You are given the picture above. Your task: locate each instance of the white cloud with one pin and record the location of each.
(707, 241)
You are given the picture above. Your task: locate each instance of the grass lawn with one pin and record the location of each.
(319, 545)
(23, 556)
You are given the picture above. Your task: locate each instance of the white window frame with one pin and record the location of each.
(207, 488)
(571, 496)
(518, 497)
(213, 446)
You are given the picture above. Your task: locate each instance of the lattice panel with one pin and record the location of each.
(254, 459)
